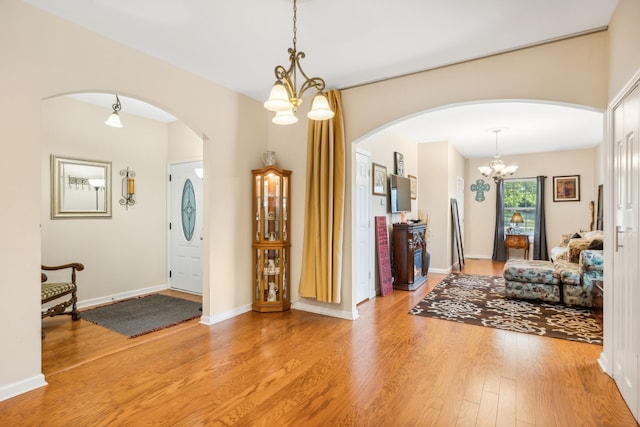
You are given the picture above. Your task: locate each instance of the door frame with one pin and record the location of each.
(606, 359)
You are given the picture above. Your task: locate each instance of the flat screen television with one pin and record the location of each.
(399, 193)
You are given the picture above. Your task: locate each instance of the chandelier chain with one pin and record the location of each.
(295, 22)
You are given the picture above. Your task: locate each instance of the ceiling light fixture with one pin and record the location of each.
(285, 98)
(114, 118)
(497, 169)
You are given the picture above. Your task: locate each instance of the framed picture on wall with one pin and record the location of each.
(379, 179)
(566, 188)
(413, 181)
(398, 162)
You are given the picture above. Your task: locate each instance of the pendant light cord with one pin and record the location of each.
(295, 26)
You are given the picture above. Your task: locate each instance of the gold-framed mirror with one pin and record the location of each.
(80, 188)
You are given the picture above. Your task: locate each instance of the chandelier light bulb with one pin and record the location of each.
(320, 109)
(278, 99)
(114, 120)
(285, 118)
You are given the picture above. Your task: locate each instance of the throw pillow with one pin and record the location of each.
(575, 247)
(596, 244)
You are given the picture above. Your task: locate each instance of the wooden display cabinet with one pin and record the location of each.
(409, 256)
(271, 239)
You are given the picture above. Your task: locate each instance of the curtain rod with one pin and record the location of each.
(520, 179)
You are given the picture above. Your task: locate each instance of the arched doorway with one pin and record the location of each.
(125, 255)
(457, 136)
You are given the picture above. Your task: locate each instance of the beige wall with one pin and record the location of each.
(572, 71)
(44, 56)
(561, 217)
(433, 200)
(624, 54)
(184, 144)
(113, 250)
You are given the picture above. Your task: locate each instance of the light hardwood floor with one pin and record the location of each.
(387, 368)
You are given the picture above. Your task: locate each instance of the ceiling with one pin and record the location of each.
(237, 44)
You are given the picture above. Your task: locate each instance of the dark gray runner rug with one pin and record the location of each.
(479, 300)
(139, 316)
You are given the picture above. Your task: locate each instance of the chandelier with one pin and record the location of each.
(497, 169)
(285, 97)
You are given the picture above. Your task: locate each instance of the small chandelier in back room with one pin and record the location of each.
(497, 169)
(285, 98)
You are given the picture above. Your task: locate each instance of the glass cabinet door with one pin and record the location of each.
(285, 191)
(271, 273)
(271, 202)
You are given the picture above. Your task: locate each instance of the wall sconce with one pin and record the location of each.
(128, 188)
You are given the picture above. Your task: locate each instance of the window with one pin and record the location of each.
(520, 196)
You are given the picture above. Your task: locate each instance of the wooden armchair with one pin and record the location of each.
(56, 290)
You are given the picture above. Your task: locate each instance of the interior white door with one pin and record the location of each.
(185, 245)
(364, 249)
(626, 292)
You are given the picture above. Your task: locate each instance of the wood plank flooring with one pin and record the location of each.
(386, 368)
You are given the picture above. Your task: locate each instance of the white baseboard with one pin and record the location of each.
(121, 296)
(212, 320)
(478, 256)
(324, 310)
(439, 270)
(12, 390)
(603, 361)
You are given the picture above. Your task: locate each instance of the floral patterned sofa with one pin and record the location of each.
(569, 279)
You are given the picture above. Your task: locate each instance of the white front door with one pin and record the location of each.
(364, 250)
(185, 245)
(626, 289)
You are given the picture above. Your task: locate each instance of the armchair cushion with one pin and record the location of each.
(570, 273)
(592, 260)
(51, 291)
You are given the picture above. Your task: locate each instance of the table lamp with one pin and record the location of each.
(516, 219)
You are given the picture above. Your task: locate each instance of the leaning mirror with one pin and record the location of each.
(80, 188)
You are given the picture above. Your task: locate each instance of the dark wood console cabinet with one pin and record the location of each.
(409, 256)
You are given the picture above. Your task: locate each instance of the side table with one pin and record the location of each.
(517, 241)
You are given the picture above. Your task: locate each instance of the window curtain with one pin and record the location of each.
(540, 234)
(499, 252)
(324, 207)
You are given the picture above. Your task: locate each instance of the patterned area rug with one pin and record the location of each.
(479, 300)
